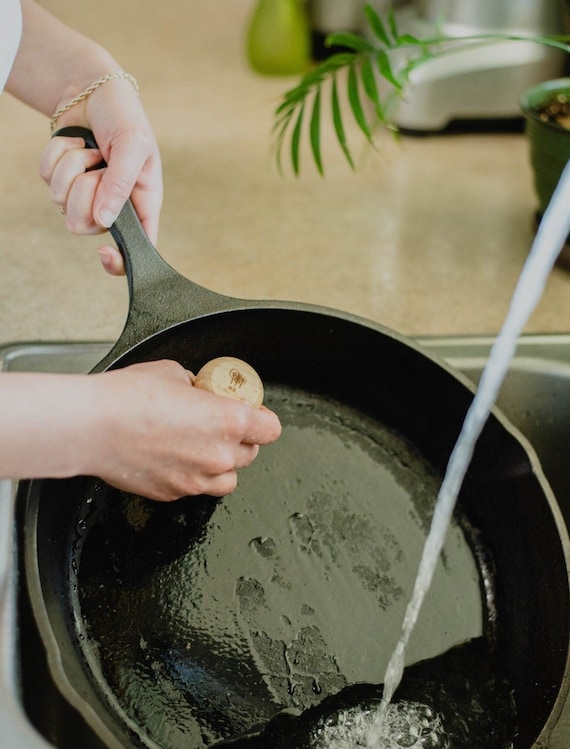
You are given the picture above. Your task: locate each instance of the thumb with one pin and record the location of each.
(117, 183)
(112, 261)
(131, 173)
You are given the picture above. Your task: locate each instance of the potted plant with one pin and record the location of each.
(374, 68)
(547, 112)
(546, 107)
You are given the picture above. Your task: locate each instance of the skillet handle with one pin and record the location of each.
(139, 254)
(159, 296)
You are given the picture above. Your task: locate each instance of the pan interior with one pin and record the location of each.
(203, 618)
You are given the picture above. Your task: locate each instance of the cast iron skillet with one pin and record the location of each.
(185, 624)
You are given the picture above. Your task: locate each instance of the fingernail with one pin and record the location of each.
(107, 218)
(105, 257)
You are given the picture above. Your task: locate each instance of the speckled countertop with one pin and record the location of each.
(427, 237)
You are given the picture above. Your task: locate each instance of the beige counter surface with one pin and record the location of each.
(428, 236)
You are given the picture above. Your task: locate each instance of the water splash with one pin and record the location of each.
(407, 725)
(550, 238)
(457, 699)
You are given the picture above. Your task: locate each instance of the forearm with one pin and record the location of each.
(54, 62)
(47, 423)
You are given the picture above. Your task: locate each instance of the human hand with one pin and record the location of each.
(92, 200)
(158, 436)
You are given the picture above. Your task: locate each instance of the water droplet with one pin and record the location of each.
(264, 545)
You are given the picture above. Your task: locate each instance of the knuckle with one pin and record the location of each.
(238, 422)
(225, 485)
(120, 189)
(78, 227)
(216, 485)
(56, 195)
(222, 462)
(44, 171)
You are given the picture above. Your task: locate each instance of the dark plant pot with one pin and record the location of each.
(549, 142)
(549, 145)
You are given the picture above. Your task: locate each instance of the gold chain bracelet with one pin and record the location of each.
(88, 91)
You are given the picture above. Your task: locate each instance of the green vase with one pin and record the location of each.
(278, 38)
(549, 143)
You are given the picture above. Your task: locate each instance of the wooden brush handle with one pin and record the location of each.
(232, 378)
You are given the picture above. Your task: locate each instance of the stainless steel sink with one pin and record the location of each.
(535, 397)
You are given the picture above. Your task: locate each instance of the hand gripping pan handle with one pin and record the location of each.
(159, 296)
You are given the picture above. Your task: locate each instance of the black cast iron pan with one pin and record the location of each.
(186, 624)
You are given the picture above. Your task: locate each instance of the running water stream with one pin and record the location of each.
(553, 231)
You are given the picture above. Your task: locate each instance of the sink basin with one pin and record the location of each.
(535, 397)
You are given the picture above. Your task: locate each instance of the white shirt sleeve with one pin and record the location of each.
(10, 34)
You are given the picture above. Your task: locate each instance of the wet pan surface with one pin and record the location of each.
(205, 618)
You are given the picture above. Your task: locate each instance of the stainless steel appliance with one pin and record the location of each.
(484, 82)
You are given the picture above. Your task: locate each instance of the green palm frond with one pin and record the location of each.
(374, 74)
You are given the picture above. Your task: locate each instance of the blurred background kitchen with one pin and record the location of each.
(427, 236)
